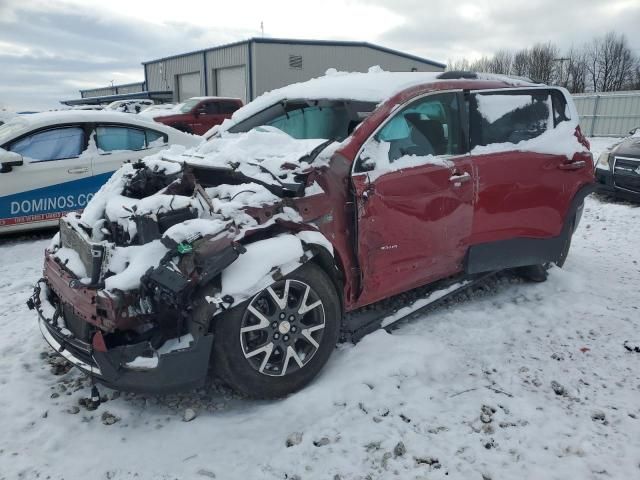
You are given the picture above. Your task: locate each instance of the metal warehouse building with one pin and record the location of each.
(249, 68)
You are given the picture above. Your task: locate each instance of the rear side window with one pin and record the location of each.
(509, 117)
(228, 107)
(110, 139)
(54, 144)
(210, 108)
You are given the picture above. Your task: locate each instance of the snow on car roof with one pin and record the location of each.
(375, 85)
(25, 123)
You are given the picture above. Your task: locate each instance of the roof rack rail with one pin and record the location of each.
(453, 74)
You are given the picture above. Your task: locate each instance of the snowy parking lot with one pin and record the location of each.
(511, 380)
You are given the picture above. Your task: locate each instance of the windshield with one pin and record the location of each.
(11, 129)
(188, 105)
(318, 119)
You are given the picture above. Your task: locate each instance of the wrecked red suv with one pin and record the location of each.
(305, 220)
(199, 114)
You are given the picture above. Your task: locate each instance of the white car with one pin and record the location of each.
(54, 162)
(129, 106)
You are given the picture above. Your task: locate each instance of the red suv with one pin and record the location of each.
(307, 220)
(198, 114)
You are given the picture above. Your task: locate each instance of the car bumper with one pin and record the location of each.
(134, 367)
(605, 184)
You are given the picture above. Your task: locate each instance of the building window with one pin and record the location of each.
(295, 61)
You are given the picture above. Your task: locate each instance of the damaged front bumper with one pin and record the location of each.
(134, 367)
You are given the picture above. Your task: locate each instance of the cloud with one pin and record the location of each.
(442, 30)
(49, 50)
(48, 53)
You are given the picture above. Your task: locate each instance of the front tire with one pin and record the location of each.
(277, 341)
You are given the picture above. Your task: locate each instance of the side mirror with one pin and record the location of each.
(200, 111)
(9, 160)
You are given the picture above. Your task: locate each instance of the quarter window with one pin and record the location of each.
(510, 117)
(54, 144)
(155, 139)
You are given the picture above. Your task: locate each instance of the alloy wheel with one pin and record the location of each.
(282, 328)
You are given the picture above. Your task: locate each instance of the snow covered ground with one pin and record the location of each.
(515, 380)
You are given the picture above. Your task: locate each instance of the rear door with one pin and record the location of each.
(115, 144)
(521, 193)
(414, 193)
(54, 179)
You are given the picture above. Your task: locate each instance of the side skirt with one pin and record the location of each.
(388, 312)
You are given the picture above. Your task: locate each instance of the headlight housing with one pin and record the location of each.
(603, 161)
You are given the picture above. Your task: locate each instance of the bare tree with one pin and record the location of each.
(501, 62)
(520, 65)
(542, 62)
(610, 63)
(605, 64)
(576, 79)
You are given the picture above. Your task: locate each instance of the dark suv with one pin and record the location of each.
(618, 169)
(305, 221)
(198, 114)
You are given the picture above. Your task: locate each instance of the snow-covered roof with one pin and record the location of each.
(25, 123)
(375, 85)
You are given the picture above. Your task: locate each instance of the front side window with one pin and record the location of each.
(427, 127)
(53, 144)
(109, 139)
(509, 117)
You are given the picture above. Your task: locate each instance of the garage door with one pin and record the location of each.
(231, 82)
(188, 86)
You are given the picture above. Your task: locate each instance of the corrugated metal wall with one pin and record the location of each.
(97, 92)
(233, 56)
(272, 70)
(163, 74)
(131, 88)
(271, 65)
(608, 114)
(116, 89)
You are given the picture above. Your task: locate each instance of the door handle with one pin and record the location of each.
(78, 170)
(459, 178)
(572, 165)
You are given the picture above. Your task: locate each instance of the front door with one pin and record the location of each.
(54, 179)
(413, 184)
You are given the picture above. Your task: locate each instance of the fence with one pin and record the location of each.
(608, 114)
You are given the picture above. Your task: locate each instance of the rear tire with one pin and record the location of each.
(276, 342)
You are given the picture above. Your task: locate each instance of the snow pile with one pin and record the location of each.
(160, 110)
(464, 392)
(560, 140)
(264, 153)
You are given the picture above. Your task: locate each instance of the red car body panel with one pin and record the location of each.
(198, 120)
(410, 227)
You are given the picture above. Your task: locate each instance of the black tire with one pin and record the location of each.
(539, 273)
(274, 371)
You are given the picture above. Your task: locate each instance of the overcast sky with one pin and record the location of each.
(51, 49)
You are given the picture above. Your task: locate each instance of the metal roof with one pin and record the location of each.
(160, 95)
(292, 41)
(113, 86)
